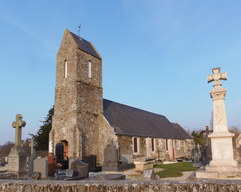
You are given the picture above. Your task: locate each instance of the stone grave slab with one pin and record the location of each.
(70, 173)
(143, 163)
(41, 166)
(109, 177)
(71, 160)
(91, 160)
(8, 176)
(110, 158)
(127, 158)
(196, 156)
(148, 174)
(79, 170)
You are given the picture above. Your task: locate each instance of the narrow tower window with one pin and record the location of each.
(135, 145)
(65, 69)
(89, 69)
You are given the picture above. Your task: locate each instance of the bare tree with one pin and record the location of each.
(6, 148)
(236, 132)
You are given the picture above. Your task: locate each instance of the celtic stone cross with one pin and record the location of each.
(18, 124)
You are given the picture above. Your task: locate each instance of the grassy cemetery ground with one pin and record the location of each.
(175, 169)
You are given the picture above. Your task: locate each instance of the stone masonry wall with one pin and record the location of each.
(106, 136)
(127, 147)
(121, 186)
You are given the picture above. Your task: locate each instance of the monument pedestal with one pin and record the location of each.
(222, 166)
(17, 162)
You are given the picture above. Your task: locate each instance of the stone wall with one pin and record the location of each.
(127, 147)
(106, 135)
(120, 186)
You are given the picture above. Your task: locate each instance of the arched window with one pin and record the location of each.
(166, 145)
(89, 69)
(152, 145)
(65, 69)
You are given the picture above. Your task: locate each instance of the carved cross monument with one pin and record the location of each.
(223, 164)
(18, 124)
(221, 138)
(17, 163)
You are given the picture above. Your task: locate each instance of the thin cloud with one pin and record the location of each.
(237, 103)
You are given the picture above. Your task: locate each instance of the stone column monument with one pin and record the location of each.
(223, 164)
(17, 159)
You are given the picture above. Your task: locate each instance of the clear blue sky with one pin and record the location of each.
(156, 56)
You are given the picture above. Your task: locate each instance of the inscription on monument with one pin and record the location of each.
(222, 149)
(13, 162)
(220, 128)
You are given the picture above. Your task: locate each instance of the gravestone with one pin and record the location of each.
(79, 170)
(33, 146)
(110, 158)
(196, 156)
(71, 160)
(144, 163)
(127, 158)
(70, 173)
(148, 174)
(41, 166)
(91, 160)
(17, 159)
(207, 153)
(223, 164)
(52, 165)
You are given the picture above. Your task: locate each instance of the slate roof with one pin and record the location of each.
(131, 121)
(85, 46)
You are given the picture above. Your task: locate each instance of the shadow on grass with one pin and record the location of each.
(175, 169)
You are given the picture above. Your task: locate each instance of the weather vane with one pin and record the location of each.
(79, 29)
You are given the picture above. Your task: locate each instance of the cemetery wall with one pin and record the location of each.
(125, 185)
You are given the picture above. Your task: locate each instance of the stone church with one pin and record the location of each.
(85, 123)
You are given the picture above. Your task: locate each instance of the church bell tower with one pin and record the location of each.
(78, 97)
